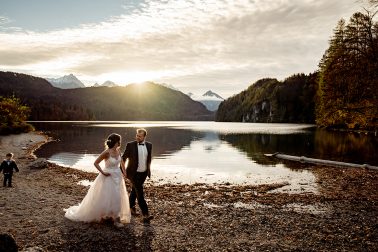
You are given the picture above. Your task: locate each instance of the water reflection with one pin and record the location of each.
(84, 138)
(346, 147)
(212, 160)
(256, 145)
(316, 143)
(209, 152)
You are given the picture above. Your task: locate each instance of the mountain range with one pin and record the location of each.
(71, 81)
(210, 99)
(148, 101)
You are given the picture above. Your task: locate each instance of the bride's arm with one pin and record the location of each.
(123, 168)
(97, 162)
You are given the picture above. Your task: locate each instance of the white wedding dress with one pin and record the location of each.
(106, 198)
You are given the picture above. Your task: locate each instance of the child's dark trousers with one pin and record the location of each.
(7, 177)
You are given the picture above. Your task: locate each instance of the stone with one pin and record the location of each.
(39, 163)
(33, 249)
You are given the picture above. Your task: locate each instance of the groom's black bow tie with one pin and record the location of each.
(141, 143)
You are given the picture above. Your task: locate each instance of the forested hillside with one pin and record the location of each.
(269, 100)
(348, 79)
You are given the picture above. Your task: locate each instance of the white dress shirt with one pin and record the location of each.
(142, 157)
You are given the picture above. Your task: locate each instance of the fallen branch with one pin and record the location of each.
(303, 159)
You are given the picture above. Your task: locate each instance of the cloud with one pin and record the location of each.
(224, 43)
(4, 20)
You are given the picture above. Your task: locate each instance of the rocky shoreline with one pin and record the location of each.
(343, 216)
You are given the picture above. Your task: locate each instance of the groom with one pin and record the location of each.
(138, 168)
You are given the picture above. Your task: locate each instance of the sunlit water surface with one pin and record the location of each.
(211, 152)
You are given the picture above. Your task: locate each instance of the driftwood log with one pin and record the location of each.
(303, 159)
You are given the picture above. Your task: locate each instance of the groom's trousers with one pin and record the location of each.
(137, 192)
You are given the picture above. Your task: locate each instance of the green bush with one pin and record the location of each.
(13, 116)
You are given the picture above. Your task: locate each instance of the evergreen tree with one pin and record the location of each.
(349, 74)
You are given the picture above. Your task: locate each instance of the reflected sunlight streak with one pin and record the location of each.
(218, 127)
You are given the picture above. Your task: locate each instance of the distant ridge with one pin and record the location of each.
(106, 84)
(148, 101)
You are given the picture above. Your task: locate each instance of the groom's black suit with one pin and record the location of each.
(131, 153)
(137, 178)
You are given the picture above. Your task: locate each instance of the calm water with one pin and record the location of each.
(212, 152)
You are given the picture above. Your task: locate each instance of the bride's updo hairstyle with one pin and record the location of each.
(112, 140)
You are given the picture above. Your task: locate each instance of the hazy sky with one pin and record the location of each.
(194, 45)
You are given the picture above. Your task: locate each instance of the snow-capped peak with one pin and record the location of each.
(168, 86)
(106, 84)
(211, 94)
(109, 84)
(67, 81)
(210, 99)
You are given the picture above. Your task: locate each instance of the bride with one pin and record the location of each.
(107, 197)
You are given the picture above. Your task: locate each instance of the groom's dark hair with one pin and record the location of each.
(144, 131)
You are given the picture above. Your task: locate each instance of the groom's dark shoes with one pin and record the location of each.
(133, 211)
(147, 218)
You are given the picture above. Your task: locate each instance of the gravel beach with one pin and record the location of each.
(341, 216)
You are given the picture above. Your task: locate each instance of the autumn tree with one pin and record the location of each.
(348, 87)
(13, 116)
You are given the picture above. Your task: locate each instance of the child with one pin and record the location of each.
(7, 167)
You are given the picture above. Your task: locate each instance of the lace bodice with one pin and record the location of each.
(112, 162)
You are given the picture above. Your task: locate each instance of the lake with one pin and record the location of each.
(212, 152)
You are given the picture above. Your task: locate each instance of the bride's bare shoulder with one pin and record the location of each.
(119, 151)
(105, 154)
